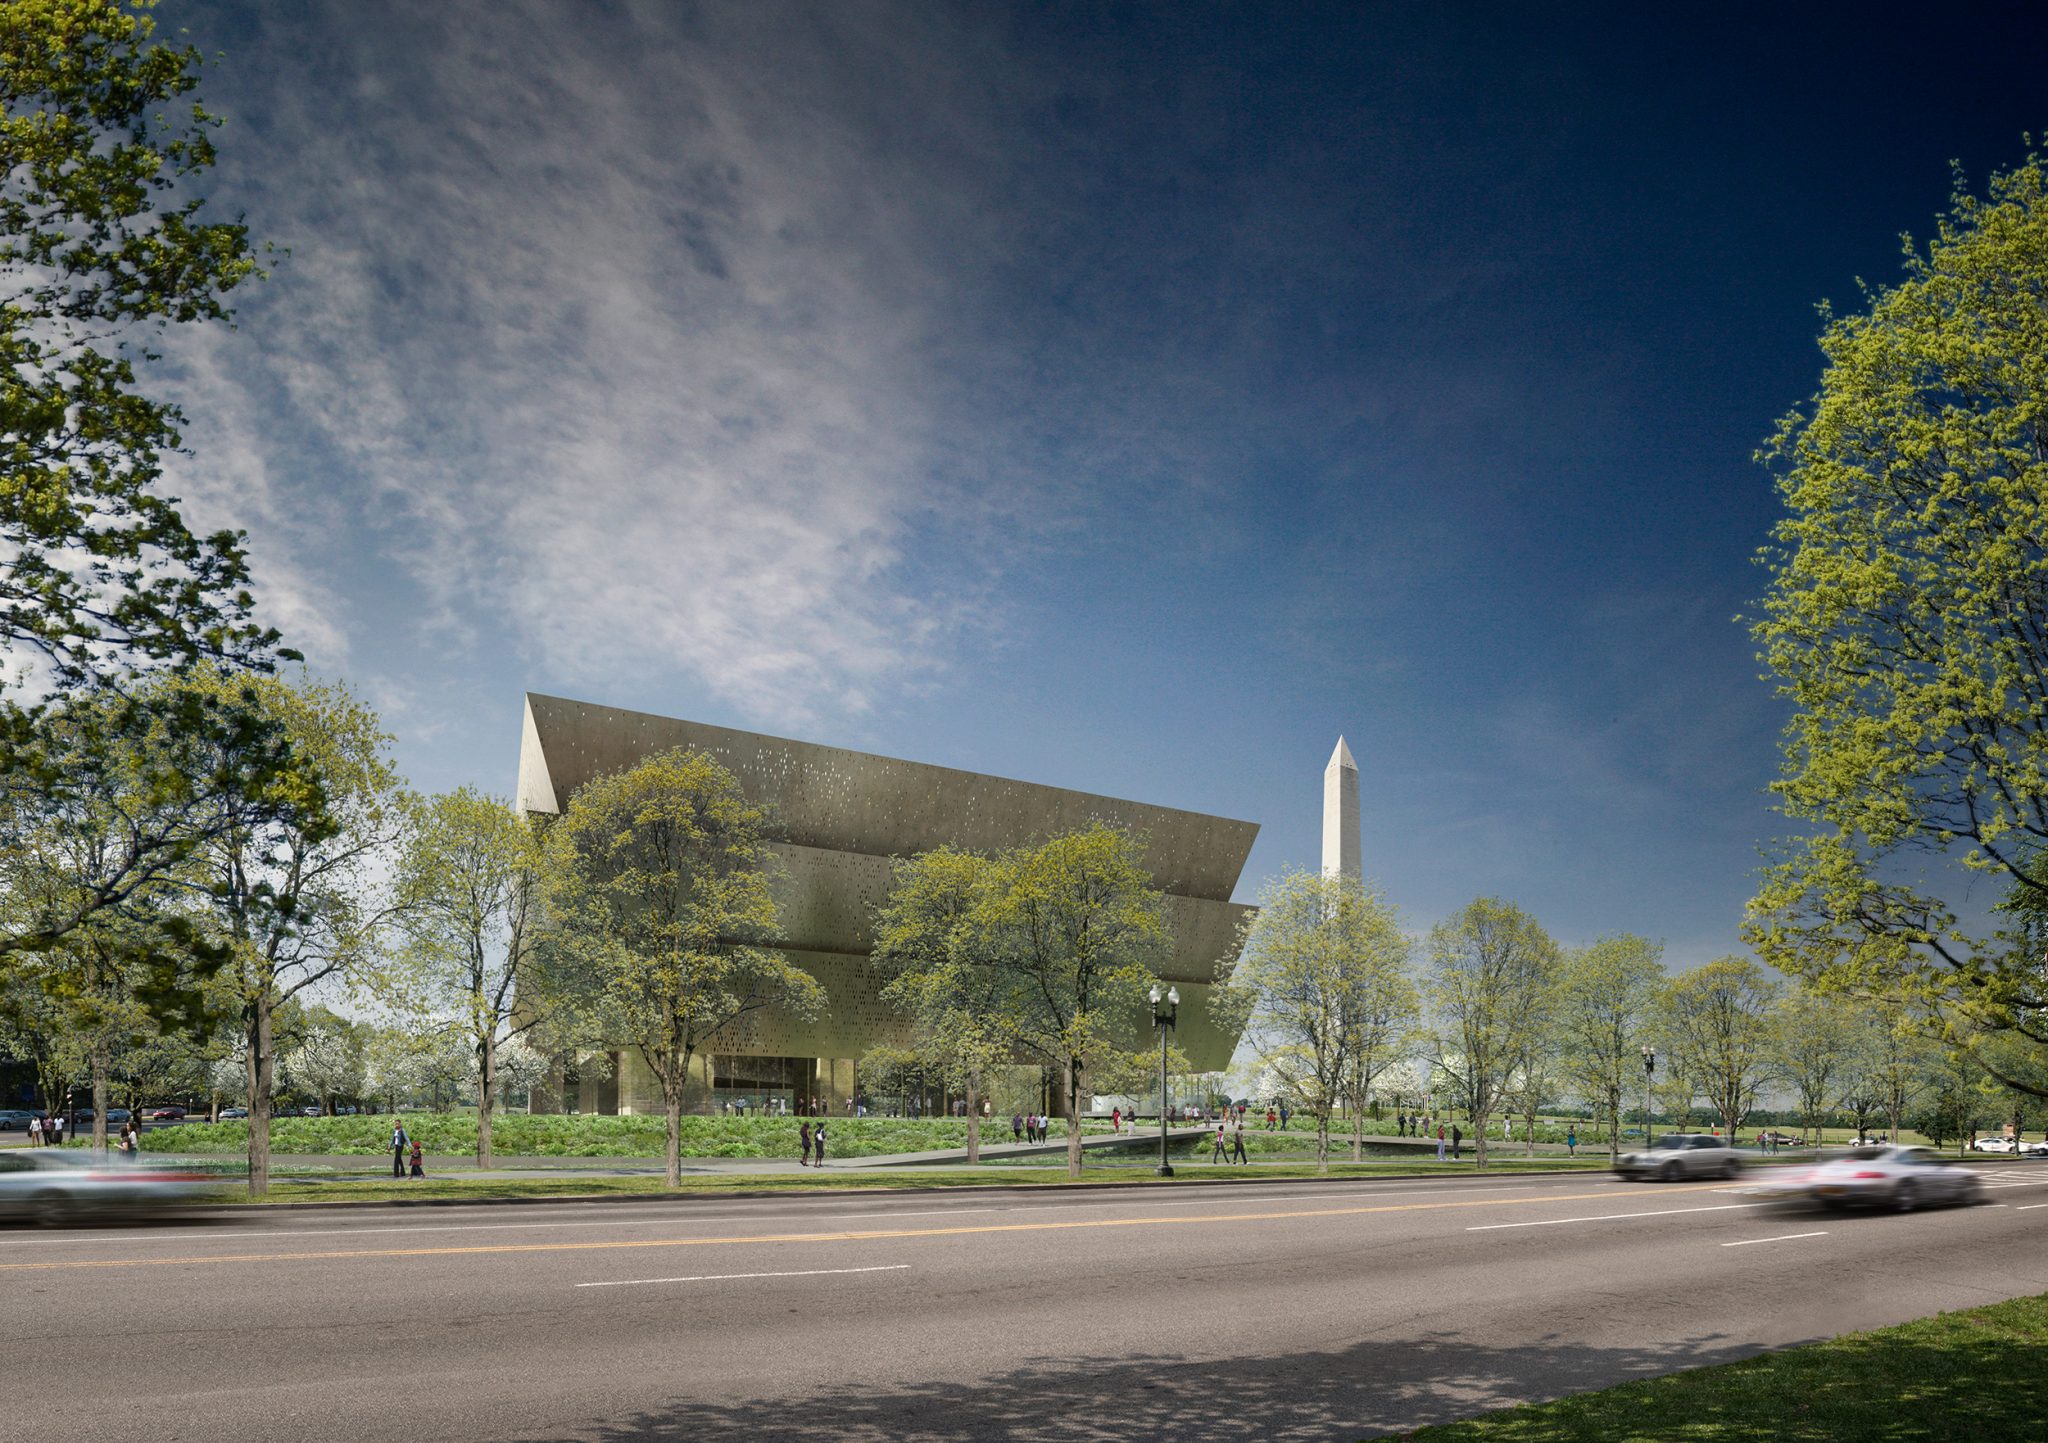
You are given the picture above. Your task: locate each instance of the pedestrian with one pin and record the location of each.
(58, 1123)
(1237, 1139)
(1272, 1119)
(818, 1145)
(1016, 1127)
(131, 1142)
(1571, 1141)
(1116, 1119)
(418, 1153)
(35, 1131)
(399, 1142)
(1217, 1155)
(1457, 1142)
(1439, 1142)
(803, 1135)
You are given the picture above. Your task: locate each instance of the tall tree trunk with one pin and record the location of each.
(262, 1069)
(1323, 1139)
(1529, 1124)
(487, 1080)
(973, 1120)
(1614, 1129)
(1479, 1140)
(1073, 1117)
(673, 1078)
(99, 1096)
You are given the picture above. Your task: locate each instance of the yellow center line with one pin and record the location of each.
(821, 1237)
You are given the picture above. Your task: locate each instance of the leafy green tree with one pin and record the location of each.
(102, 246)
(100, 241)
(294, 882)
(1605, 996)
(1816, 1045)
(1907, 623)
(1323, 986)
(1070, 930)
(927, 943)
(1718, 1025)
(1952, 1105)
(1491, 968)
(470, 882)
(659, 887)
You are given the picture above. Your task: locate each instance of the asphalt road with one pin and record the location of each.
(1276, 1311)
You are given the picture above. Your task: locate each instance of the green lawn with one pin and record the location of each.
(518, 1134)
(1967, 1375)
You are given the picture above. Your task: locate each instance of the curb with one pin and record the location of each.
(892, 1189)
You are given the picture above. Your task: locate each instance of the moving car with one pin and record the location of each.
(47, 1186)
(173, 1113)
(1993, 1144)
(1883, 1176)
(1779, 1139)
(13, 1119)
(228, 1114)
(1681, 1155)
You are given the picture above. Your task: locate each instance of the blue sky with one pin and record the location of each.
(1129, 398)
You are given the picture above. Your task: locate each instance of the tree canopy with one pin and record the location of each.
(1906, 622)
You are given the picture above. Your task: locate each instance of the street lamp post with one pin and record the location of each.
(1163, 1017)
(1649, 1076)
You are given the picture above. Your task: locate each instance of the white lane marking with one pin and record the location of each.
(2025, 1209)
(667, 1219)
(1611, 1217)
(727, 1277)
(1782, 1238)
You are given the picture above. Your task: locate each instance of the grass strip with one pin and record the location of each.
(456, 1187)
(1970, 1374)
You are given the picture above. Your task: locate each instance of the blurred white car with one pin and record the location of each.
(1992, 1144)
(1682, 1155)
(50, 1187)
(1896, 1177)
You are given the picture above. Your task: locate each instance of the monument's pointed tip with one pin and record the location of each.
(1342, 756)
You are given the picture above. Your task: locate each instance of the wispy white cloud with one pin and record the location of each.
(622, 335)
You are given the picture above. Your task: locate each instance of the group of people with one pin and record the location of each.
(813, 1140)
(46, 1131)
(1237, 1138)
(1027, 1127)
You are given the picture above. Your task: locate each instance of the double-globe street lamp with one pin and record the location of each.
(1164, 1014)
(1649, 1077)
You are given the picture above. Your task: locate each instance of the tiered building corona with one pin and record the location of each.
(838, 820)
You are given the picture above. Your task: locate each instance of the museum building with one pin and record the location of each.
(837, 818)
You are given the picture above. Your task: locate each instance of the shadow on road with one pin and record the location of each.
(1366, 1390)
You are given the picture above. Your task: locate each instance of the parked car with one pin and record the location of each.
(1882, 1176)
(173, 1113)
(118, 1115)
(50, 1187)
(1682, 1155)
(1992, 1144)
(14, 1119)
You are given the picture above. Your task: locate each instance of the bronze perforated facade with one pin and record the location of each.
(837, 818)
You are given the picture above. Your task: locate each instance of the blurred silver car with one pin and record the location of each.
(50, 1187)
(1682, 1155)
(1886, 1176)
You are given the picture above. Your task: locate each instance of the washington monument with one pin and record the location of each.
(1340, 814)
